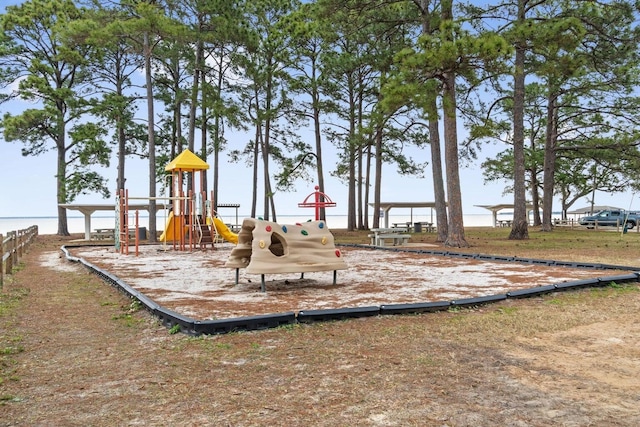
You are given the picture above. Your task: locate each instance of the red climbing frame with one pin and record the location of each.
(321, 200)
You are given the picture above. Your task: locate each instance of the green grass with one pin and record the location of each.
(128, 317)
(10, 344)
(604, 246)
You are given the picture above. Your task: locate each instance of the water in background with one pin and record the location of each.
(49, 225)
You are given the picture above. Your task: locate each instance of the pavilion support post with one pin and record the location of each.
(87, 225)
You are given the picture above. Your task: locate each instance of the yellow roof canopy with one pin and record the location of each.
(187, 161)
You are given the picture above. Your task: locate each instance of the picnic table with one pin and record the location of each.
(401, 226)
(109, 233)
(424, 226)
(505, 223)
(395, 235)
(103, 233)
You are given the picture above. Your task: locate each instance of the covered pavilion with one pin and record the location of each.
(385, 207)
(497, 208)
(88, 209)
(592, 210)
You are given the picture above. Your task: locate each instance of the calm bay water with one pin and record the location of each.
(49, 225)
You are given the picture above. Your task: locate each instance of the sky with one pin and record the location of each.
(28, 184)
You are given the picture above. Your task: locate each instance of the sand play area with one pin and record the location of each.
(198, 285)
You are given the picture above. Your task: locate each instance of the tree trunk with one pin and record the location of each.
(351, 209)
(217, 133)
(367, 181)
(377, 173)
(203, 136)
(455, 235)
(194, 97)
(535, 198)
(122, 142)
(434, 141)
(151, 141)
(360, 173)
(256, 152)
(193, 108)
(520, 227)
(549, 168)
(265, 174)
(63, 229)
(318, 140)
(266, 145)
(360, 186)
(436, 172)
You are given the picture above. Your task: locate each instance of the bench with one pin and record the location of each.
(109, 234)
(379, 239)
(425, 227)
(400, 227)
(102, 235)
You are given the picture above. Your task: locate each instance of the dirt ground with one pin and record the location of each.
(75, 352)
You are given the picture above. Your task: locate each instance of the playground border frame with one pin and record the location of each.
(189, 326)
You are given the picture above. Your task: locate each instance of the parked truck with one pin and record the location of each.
(611, 218)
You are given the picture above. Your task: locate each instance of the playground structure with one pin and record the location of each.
(267, 247)
(192, 222)
(261, 246)
(321, 200)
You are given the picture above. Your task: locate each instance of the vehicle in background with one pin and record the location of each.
(611, 218)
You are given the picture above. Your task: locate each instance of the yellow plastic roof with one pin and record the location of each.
(187, 161)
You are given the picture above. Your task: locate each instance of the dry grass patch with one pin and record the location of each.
(561, 359)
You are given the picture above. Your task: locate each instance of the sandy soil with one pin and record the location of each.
(196, 284)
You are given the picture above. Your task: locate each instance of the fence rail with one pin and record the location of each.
(14, 245)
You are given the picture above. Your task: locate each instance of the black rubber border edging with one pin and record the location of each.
(190, 326)
(311, 316)
(419, 307)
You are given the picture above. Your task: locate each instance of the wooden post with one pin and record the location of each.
(1, 260)
(12, 261)
(13, 247)
(19, 244)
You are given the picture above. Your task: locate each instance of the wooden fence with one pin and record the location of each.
(13, 247)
